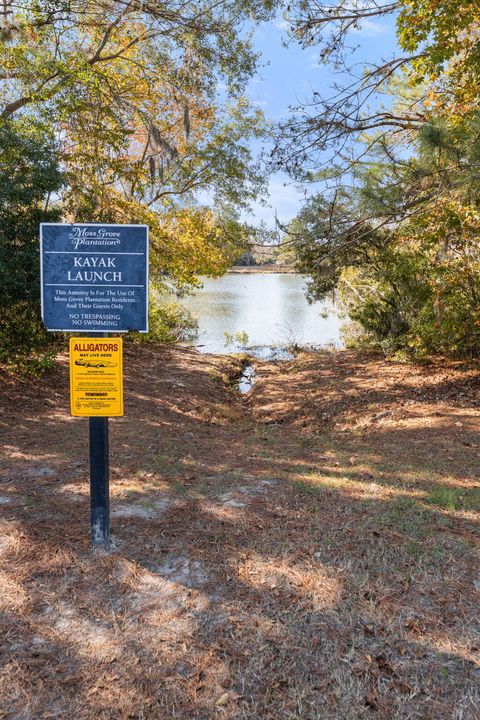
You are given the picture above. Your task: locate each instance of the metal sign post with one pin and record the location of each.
(99, 480)
(94, 279)
(96, 392)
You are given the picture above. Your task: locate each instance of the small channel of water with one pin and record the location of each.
(263, 313)
(247, 379)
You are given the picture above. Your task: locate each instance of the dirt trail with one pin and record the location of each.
(308, 551)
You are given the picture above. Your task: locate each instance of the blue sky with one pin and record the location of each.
(289, 76)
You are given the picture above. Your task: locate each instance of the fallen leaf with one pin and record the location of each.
(371, 701)
(223, 699)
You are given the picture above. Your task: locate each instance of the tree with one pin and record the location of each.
(29, 176)
(401, 247)
(54, 49)
(130, 89)
(439, 60)
(395, 230)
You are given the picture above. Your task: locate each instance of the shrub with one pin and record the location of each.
(25, 345)
(29, 174)
(169, 322)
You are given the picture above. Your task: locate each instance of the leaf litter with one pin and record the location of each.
(307, 551)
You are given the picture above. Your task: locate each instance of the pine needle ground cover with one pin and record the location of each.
(307, 551)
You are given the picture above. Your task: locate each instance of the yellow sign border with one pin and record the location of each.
(101, 370)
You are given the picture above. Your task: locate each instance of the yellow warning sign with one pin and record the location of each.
(96, 377)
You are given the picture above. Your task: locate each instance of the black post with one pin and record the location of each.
(99, 475)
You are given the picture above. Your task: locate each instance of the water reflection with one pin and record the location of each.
(271, 309)
(247, 381)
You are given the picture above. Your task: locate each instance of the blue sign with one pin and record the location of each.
(94, 277)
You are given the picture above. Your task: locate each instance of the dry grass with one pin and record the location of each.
(307, 553)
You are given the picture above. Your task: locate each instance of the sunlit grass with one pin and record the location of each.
(450, 498)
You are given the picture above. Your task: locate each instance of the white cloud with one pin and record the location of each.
(369, 28)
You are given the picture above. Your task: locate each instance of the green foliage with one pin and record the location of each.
(168, 322)
(29, 175)
(447, 498)
(239, 338)
(397, 147)
(406, 302)
(402, 247)
(25, 345)
(130, 89)
(445, 32)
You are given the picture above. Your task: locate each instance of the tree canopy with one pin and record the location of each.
(122, 99)
(29, 175)
(438, 66)
(129, 90)
(395, 229)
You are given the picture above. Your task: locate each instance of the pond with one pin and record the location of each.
(269, 310)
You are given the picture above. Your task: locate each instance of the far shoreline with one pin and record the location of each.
(263, 269)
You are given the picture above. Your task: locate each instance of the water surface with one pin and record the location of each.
(270, 308)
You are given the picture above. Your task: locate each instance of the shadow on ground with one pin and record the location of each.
(267, 562)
